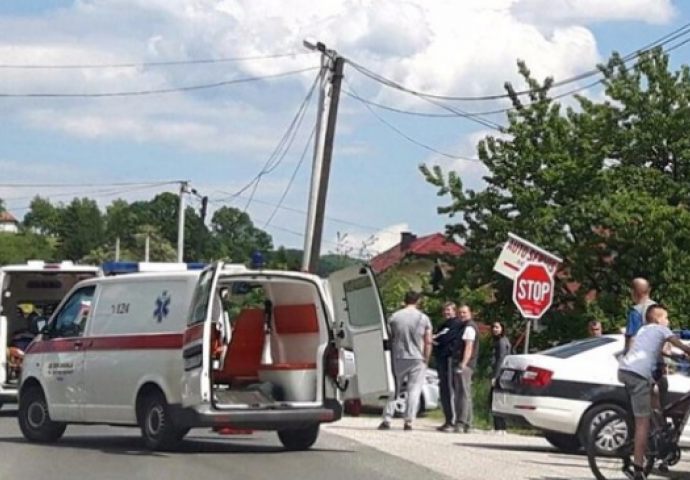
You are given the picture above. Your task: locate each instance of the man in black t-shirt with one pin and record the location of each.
(445, 339)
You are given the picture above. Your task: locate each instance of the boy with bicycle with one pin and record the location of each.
(637, 372)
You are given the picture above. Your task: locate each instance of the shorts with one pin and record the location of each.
(640, 391)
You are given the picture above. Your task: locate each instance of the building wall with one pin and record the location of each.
(9, 228)
(413, 269)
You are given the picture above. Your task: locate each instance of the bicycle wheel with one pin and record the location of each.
(610, 449)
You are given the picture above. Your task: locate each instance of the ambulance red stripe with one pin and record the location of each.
(151, 341)
(195, 332)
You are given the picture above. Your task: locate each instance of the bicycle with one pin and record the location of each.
(612, 439)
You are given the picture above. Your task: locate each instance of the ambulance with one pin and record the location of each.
(29, 291)
(223, 347)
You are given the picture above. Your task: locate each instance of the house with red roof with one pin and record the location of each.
(8, 224)
(415, 256)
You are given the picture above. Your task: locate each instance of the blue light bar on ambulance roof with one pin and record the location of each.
(118, 268)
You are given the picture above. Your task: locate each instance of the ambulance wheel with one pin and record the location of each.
(299, 438)
(34, 418)
(157, 428)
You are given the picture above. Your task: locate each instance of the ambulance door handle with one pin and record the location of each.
(78, 344)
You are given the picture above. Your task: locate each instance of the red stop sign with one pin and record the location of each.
(533, 290)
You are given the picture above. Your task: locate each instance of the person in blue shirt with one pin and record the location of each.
(635, 318)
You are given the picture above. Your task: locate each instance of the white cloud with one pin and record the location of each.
(446, 47)
(582, 11)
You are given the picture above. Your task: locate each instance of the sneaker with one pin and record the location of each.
(634, 475)
(444, 428)
(408, 426)
(385, 426)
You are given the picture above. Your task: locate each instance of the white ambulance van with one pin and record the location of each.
(226, 346)
(27, 291)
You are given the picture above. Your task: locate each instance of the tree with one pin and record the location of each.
(18, 248)
(80, 228)
(42, 216)
(237, 236)
(605, 188)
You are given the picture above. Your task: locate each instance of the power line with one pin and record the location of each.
(95, 193)
(501, 110)
(153, 64)
(678, 33)
(268, 167)
(292, 132)
(159, 91)
(409, 138)
(303, 212)
(292, 179)
(90, 184)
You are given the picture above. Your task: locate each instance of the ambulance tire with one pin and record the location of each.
(34, 418)
(157, 428)
(297, 439)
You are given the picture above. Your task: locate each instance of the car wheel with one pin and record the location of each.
(156, 425)
(296, 439)
(594, 416)
(563, 441)
(34, 418)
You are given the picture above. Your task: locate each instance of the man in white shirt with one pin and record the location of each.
(636, 372)
(466, 355)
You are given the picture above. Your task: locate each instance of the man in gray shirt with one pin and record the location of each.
(411, 347)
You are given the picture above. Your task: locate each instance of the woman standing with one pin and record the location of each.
(500, 348)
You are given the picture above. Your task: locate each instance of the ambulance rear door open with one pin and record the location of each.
(361, 329)
(196, 349)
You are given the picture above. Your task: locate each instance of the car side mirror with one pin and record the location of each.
(37, 325)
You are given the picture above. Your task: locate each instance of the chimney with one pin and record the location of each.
(406, 239)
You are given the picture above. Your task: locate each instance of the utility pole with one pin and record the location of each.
(180, 221)
(332, 64)
(147, 247)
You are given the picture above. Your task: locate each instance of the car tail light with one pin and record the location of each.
(536, 377)
(333, 362)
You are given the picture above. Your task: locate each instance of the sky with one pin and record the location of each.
(118, 99)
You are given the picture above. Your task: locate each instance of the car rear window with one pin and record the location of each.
(577, 347)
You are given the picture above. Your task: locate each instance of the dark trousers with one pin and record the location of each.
(445, 385)
(499, 422)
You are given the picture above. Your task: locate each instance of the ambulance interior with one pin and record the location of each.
(26, 295)
(276, 346)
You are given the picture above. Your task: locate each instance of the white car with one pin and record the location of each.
(566, 390)
(428, 401)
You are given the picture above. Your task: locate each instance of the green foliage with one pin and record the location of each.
(604, 187)
(18, 248)
(393, 286)
(79, 231)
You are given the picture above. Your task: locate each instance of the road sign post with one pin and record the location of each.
(533, 293)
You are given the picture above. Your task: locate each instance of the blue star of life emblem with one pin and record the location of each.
(162, 306)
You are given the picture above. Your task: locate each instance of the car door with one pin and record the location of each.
(362, 328)
(196, 349)
(63, 348)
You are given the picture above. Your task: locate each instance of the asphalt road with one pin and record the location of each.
(478, 455)
(106, 453)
